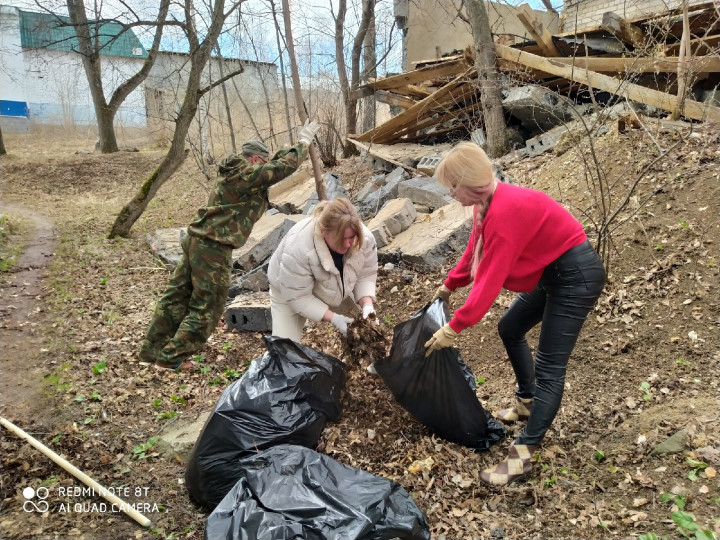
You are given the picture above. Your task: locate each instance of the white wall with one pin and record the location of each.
(12, 67)
(57, 89)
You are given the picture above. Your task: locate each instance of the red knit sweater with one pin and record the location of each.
(524, 230)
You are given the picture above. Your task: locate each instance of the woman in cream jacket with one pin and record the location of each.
(325, 263)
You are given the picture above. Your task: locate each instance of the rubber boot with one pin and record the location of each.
(521, 411)
(517, 465)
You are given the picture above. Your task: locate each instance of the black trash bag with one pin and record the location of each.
(290, 492)
(285, 397)
(439, 390)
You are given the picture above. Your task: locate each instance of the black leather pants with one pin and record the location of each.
(566, 293)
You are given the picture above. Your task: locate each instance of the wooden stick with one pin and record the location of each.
(77, 473)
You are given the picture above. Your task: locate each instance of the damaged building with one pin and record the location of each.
(657, 58)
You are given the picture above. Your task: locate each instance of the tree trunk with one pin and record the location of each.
(200, 53)
(89, 50)
(319, 182)
(369, 70)
(227, 102)
(2, 145)
(282, 74)
(489, 79)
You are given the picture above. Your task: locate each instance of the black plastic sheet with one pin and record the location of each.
(290, 492)
(439, 390)
(285, 397)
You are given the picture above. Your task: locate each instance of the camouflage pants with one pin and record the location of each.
(192, 304)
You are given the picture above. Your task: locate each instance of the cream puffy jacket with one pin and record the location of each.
(302, 272)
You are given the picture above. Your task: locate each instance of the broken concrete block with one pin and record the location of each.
(179, 440)
(373, 202)
(165, 245)
(249, 313)
(397, 215)
(435, 241)
(264, 238)
(425, 192)
(333, 190)
(292, 194)
(427, 164)
(255, 280)
(545, 141)
(537, 107)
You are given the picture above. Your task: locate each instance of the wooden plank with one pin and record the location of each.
(444, 69)
(369, 150)
(536, 29)
(691, 109)
(415, 112)
(698, 46)
(623, 30)
(426, 123)
(396, 100)
(699, 64)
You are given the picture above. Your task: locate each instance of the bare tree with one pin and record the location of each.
(198, 57)
(2, 145)
(347, 86)
(90, 47)
(278, 35)
(489, 79)
(302, 113)
(369, 70)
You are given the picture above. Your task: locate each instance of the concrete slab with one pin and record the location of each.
(165, 245)
(537, 107)
(249, 313)
(396, 216)
(425, 192)
(179, 439)
(292, 194)
(433, 242)
(255, 280)
(334, 189)
(374, 201)
(264, 238)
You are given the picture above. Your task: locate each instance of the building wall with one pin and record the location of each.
(57, 89)
(434, 29)
(585, 14)
(53, 86)
(13, 111)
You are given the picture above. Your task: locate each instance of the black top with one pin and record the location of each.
(338, 260)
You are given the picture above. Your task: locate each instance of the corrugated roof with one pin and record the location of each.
(56, 32)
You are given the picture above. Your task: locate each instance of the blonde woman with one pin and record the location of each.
(323, 269)
(524, 241)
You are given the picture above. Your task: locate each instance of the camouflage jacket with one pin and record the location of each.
(240, 197)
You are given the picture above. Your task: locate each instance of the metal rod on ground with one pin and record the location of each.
(77, 473)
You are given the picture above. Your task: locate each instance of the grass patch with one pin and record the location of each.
(13, 240)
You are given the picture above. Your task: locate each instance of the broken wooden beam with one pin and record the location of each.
(444, 69)
(374, 152)
(394, 100)
(417, 111)
(628, 64)
(691, 109)
(629, 34)
(537, 30)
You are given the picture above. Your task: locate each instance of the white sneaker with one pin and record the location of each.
(371, 369)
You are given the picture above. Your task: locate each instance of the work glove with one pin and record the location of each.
(367, 310)
(341, 323)
(442, 292)
(308, 131)
(445, 337)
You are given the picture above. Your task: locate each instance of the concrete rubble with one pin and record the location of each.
(414, 222)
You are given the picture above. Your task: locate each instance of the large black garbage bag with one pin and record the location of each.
(438, 390)
(285, 397)
(290, 492)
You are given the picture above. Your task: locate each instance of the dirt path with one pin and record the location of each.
(22, 358)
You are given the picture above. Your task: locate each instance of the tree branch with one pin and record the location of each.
(221, 80)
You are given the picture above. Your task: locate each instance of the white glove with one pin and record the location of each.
(341, 323)
(367, 310)
(307, 132)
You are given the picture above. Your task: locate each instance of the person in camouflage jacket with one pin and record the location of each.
(193, 302)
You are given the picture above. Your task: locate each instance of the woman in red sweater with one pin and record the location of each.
(524, 241)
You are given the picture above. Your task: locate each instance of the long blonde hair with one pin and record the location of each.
(335, 216)
(466, 165)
